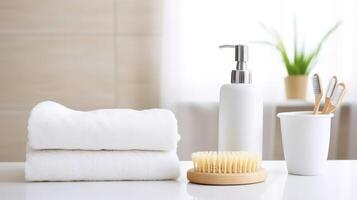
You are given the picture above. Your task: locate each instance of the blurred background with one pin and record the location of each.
(164, 53)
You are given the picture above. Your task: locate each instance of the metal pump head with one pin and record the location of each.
(241, 74)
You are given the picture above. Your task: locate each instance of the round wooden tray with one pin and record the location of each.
(227, 179)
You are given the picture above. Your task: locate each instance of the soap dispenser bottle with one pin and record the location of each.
(240, 109)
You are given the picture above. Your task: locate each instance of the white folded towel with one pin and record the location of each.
(67, 165)
(53, 126)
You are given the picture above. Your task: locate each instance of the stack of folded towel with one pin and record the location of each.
(107, 144)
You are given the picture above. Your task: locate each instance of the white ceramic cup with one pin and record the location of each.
(306, 139)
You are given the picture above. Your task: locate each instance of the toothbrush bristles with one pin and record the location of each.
(331, 86)
(337, 94)
(316, 85)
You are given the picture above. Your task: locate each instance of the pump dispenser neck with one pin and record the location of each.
(241, 74)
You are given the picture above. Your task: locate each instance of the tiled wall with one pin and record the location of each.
(86, 54)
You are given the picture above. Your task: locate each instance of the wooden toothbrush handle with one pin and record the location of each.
(331, 108)
(317, 104)
(326, 105)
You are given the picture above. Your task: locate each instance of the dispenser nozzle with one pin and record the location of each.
(241, 74)
(241, 52)
(226, 46)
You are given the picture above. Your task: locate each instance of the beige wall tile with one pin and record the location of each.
(139, 16)
(66, 51)
(74, 70)
(138, 59)
(138, 71)
(138, 96)
(13, 135)
(65, 16)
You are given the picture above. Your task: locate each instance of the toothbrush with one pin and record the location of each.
(336, 98)
(316, 83)
(329, 91)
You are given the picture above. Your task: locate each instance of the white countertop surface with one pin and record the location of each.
(339, 182)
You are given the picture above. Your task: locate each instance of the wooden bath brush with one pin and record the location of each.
(226, 168)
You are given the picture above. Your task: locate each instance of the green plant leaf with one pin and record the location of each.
(265, 43)
(324, 38)
(302, 62)
(295, 40)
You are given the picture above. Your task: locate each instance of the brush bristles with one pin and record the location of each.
(331, 86)
(337, 94)
(226, 162)
(316, 85)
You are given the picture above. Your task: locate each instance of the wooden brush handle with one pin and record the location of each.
(326, 105)
(317, 104)
(227, 179)
(330, 109)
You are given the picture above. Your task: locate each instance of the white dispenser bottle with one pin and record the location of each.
(240, 109)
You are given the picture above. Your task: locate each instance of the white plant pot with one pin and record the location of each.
(306, 139)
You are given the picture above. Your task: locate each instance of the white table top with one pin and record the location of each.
(339, 182)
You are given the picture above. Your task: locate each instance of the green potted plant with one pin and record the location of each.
(300, 64)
